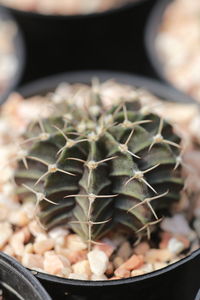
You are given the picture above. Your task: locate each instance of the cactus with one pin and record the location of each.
(96, 168)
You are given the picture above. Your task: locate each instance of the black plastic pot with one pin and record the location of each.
(111, 40)
(19, 283)
(178, 281)
(19, 49)
(152, 29)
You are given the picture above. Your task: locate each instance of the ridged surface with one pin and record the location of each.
(120, 168)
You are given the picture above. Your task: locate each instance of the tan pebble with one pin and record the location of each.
(58, 232)
(117, 262)
(75, 256)
(159, 265)
(54, 264)
(82, 267)
(147, 268)
(43, 246)
(161, 255)
(41, 237)
(98, 261)
(165, 237)
(75, 243)
(32, 261)
(184, 240)
(78, 276)
(134, 262)
(5, 233)
(114, 278)
(66, 271)
(27, 234)
(4, 212)
(125, 251)
(142, 248)
(105, 247)
(8, 250)
(137, 272)
(17, 241)
(28, 248)
(19, 218)
(122, 273)
(110, 268)
(98, 277)
(35, 229)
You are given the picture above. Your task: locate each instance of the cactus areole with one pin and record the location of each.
(97, 168)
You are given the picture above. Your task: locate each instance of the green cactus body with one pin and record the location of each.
(101, 169)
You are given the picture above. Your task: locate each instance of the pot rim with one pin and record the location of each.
(151, 29)
(108, 12)
(163, 91)
(25, 275)
(20, 53)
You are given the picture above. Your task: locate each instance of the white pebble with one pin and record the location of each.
(175, 246)
(98, 262)
(78, 276)
(177, 225)
(98, 277)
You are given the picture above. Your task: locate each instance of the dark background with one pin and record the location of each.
(112, 41)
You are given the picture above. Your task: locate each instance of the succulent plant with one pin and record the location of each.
(97, 168)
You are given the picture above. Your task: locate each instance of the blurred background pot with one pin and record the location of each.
(18, 283)
(177, 281)
(153, 26)
(18, 55)
(112, 39)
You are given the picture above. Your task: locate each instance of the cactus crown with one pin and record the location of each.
(97, 168)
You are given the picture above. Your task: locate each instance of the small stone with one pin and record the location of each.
(54, 264)
(106, 246)
(197, 226)
(158, 255)
(58, 232)
(165, 237)
(5, 233)
(177, 225)
(159, 265)
(134, 262)
(82, 267)
(17, 241)
(117, 262)
(4, 212)
(121, 272)
(110, 268)
(74, 256)
(98, 262)
(35, 229)
(65, 272)
(125, 251)
(147, 268)
(114, 278)
(41, 237)
(75, 243)
(43, 246)
(28, 248)
(8, 250)
(137, 272)
(32, 261)
(142, 248)
(78, 276)
(98, 277)
(19, 218)
(175, 246)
